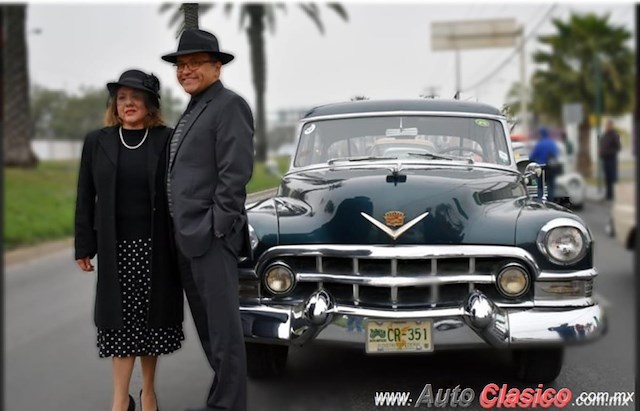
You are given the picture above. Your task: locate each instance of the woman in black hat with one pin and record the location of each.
(122, 216)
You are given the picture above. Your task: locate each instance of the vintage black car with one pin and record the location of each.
(405, 227)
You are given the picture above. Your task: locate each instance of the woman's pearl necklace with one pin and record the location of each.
(132, 147)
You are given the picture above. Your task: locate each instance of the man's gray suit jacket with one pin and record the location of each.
(210, 170)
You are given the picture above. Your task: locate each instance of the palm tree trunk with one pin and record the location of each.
(259, 71)
(17, 128)
(190, 11)
(584, 148)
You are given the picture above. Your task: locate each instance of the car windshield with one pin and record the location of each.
(439, 138)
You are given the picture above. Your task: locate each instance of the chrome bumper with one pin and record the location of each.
(477, 323)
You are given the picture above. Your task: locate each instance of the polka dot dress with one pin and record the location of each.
(135, 339)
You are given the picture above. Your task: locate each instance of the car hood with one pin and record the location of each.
(465, 205)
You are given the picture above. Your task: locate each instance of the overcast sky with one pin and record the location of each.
(383, 51)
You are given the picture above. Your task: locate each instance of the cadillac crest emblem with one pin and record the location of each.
(394, 218)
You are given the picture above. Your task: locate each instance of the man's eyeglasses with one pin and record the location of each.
(191, 65)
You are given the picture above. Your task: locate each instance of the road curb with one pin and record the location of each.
(26, 253)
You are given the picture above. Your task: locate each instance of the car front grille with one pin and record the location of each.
(396, 277)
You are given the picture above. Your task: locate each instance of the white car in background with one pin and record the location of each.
(570, 185)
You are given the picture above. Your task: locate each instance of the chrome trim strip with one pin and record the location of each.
(498, 117)
(394, 281)
(568, 276)
(397, 315)
(566, 303)
(415, 252)
(414, 164)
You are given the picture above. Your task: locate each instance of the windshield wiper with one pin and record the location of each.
(349, 159)
(441, 157)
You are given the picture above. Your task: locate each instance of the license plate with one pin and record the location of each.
(399, 336)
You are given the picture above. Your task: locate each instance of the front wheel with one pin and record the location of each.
(540, 365)
(266, 360)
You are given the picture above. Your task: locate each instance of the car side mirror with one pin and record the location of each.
(533, 169)
(271, 166)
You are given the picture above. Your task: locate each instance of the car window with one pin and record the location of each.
(480, 139)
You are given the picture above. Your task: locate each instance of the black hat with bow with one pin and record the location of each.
(138, 80)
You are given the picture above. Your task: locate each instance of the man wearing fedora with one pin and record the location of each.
(210, 163)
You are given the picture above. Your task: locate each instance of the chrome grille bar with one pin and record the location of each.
(389, 281)
(472, 270)
(319, 269)
(356, 287)
(434, 287)
(408, 252)
(394, 289)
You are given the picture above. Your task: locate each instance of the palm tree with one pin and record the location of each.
(255, 18)
(16, 125)
(190, 13)
(583, 48)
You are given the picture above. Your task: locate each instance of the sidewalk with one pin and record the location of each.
(593, 194)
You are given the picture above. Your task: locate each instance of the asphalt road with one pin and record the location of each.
(51, 361)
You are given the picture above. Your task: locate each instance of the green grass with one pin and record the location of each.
(40, 203)
(262, 180)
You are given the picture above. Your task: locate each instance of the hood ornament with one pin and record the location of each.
(397, 218)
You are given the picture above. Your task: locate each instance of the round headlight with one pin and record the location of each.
(563, 244)
(279, 279)
(513, 280)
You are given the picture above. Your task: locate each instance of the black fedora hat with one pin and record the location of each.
(198, 41)
(136, 79)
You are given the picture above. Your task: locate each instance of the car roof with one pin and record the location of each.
(374, 106)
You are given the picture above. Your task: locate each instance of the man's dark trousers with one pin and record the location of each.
(213, 299)
(610, 168)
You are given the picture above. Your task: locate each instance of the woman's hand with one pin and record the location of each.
(85, 264)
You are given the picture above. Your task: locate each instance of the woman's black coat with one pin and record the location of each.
(95, 228)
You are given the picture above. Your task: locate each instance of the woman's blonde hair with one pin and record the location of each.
(154, 117)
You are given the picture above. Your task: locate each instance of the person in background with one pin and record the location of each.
(608, 153)
(545, 153)
(122, 216)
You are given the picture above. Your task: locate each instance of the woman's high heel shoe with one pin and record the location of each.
(132, 404)
(157, 408)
